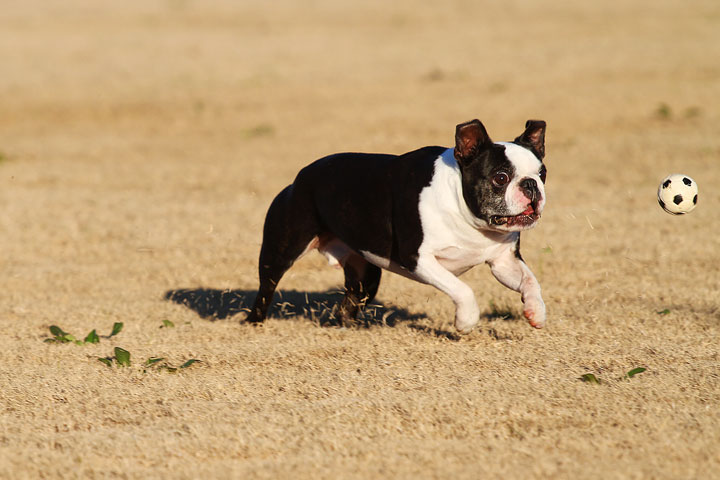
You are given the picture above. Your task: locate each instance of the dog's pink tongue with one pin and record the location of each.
(529, 210)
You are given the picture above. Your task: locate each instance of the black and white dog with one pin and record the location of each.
(429, 215)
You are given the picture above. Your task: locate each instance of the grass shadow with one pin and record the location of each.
(501, 312)
(320, 307)
(437, 332)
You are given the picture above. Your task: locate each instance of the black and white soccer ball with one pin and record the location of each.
(678, 194)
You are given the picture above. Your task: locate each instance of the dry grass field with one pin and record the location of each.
(142, 142)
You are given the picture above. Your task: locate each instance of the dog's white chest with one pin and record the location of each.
(456, 260)
(459, 260)
(448, 235)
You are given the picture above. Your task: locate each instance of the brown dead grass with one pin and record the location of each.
(143, 141)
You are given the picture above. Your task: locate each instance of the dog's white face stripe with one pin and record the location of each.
(526, 165)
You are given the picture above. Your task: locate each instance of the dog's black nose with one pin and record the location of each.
(530, 189)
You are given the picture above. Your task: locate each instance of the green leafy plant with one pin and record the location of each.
(121, 357)
(663, 112)
(664, 312)
(92, 337)
(107, 360)
(61, 336)
(591, 378)
(635, 371)
(117, 328)
(154, 362)
(189, 362)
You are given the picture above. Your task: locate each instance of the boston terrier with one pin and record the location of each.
(429, 215)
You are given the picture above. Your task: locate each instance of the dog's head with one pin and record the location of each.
(503, 183)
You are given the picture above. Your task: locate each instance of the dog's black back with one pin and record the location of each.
(370, 201)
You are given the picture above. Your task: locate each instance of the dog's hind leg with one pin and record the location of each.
(290, 230)
(362, 280)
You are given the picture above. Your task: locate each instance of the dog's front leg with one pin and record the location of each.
(511, 271)
(467, 312)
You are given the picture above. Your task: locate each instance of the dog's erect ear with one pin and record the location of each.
(470, 137)
(534, 136)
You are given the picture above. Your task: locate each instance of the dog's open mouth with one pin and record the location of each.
(525, 219)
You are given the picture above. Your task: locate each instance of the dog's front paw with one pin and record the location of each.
(466, 318)
(535, 312)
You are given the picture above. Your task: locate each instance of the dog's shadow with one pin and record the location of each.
(319, 307)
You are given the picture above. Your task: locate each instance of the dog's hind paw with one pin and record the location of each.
(254, 318)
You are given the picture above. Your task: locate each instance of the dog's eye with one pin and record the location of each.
(543, 173)
(500, 179)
